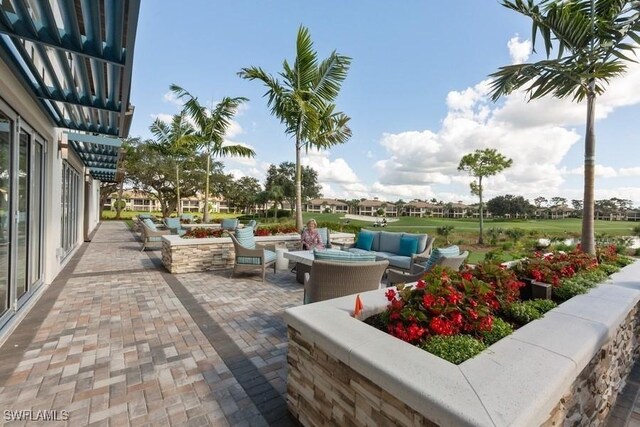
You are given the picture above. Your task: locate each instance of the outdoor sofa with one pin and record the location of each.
(402, 250)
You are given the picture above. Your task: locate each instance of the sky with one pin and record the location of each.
(416, 92)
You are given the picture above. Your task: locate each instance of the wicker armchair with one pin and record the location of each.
(418, 271)
(249, 255)
(330, 279)
(150, 233)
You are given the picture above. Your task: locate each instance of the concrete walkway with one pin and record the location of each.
(115, 340)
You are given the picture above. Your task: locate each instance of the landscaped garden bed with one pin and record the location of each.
(186, 255)
(569, 365)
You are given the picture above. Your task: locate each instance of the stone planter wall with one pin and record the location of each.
(191, 255)
(566, 368)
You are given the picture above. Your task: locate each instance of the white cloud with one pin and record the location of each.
(629, 171)
(332, 171)
(171, 98)
(519, 51)
(162, 116)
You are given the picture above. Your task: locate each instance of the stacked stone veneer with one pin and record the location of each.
(325, 391)
(594, 392)
(572, 378)
(192, 255)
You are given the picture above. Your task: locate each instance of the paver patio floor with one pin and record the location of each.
(115, 340)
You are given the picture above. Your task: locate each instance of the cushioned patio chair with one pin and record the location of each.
(253, 224)
(333, 279)
(187, 217)
(174, 225)
(418, 270)
(230, 224)
(151, 234)
(249, 255)
(325, 237)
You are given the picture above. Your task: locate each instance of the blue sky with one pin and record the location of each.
(416, 95)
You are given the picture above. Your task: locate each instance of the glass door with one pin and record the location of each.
(6, 126)
(36, 214)
(22, 213)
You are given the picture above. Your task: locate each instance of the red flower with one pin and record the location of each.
(467, 275)
(421, 284)
(428, 300)
(390, 294)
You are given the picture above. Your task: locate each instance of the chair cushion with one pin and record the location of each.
(323, 232)
(244, 236)
(400, 261)
(438, 253)
(269, 256)
(144, 216)
(181, 231)
(229, 223)
(342, 256)
(365, 240)
(408, 245)
(150, 224)
(154, 239)
(422, 241)
(389, 242)
(172, 222)
(357, 251)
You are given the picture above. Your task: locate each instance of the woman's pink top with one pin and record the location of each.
(311, 240)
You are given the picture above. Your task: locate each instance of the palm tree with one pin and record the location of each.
(211, 126)
(172, 141)
(591, 37)
(304, 101)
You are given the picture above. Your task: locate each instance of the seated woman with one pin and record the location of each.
(310, 237)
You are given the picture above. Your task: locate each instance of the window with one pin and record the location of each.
(69, 200)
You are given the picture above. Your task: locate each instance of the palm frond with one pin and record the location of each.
(331, 73)
(306, 63)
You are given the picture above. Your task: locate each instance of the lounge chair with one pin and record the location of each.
(249, 255)
(230, 224)
(187, 217)
(418, 270)
(333, 279)
(175, 226)
(151, 234)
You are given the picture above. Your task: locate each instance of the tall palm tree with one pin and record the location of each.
(172, 140)
(592, 41)
(211, 126)
(304, 101)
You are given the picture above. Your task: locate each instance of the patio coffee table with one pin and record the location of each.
(303, 260)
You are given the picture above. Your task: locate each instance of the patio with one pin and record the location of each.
(116, 340)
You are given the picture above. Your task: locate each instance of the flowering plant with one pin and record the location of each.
(553, 267)
(202, 232)
(278, 229)
(445, 302)
(504, 284)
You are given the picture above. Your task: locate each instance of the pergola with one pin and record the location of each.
(75, 57)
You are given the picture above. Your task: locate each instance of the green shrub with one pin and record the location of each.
(609, 268)
(623, 260)
(500, 330)
(542, 305)
(522, 313)
(455, 349)
(515, 234)
(569, 289)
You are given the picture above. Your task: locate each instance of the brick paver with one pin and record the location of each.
(118, 341)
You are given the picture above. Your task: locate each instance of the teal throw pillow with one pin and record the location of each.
(365, 240)
(408, 245)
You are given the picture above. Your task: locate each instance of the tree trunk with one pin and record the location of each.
(481, 239)
(205, 216)
(178, 188)
(298, 189)
(587, 240)
(118, 203)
